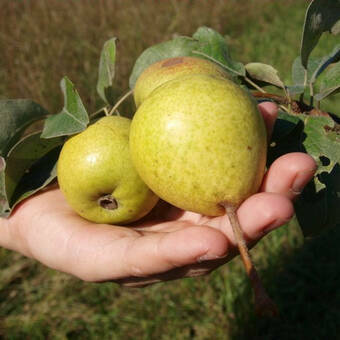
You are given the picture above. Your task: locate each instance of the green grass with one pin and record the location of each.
(41, 41)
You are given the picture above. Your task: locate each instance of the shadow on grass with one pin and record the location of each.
(306, 291)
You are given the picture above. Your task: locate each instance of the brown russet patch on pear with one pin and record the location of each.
(172, 61)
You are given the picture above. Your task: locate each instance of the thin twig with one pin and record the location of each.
(254, 85)
(126, 95)
(99, 111)
(277, 98)
(311, 93)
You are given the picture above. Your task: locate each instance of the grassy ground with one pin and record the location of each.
(41, 41)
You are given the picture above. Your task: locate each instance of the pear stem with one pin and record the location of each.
(126, 95)
(263, 304)
(102, 109)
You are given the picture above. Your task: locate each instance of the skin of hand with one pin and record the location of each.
(167, 244)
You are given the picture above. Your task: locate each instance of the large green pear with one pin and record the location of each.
(172, 68)
(199, 142)
(97, 177)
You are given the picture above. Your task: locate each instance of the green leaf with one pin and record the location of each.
(299, 72)
(330, 83)
(326, 93)
(317, 211)
(213, 46)
(322, 140)
(107, 71)
(284, 125)
(4, 205)
(286, 137)
(205, 43)
(336, 28)
(295, 89)
(315, 67)
(317, 208)
(333, 57)
(321, 16)
(15, 116)
(30, 166)
(41, 174)
(265, 73)
(72, 119)
(177, 47)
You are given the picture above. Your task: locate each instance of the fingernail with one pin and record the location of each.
(269, 229)
(209, 257)
(276, 225)
(300, 181)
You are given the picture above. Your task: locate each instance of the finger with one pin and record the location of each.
(269, 113)
(153, 254)
(264, 212)
(191, 270)
(289, 174)
(258, 215)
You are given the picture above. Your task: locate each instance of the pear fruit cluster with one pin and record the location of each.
(196, 141)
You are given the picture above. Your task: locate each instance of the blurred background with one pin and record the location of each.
(43, 40)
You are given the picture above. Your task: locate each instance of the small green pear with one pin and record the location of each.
(172, 68)
(97, 178)
(199, 142)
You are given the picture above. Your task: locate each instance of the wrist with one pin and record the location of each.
(9, 237)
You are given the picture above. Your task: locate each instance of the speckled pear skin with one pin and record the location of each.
(172, 68)
(97, 162)
(198, 141)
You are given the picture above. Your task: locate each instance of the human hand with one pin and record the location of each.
(167, 244)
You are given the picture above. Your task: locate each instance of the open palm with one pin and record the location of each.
(167, 244)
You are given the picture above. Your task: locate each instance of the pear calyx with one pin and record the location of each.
(108, 202)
